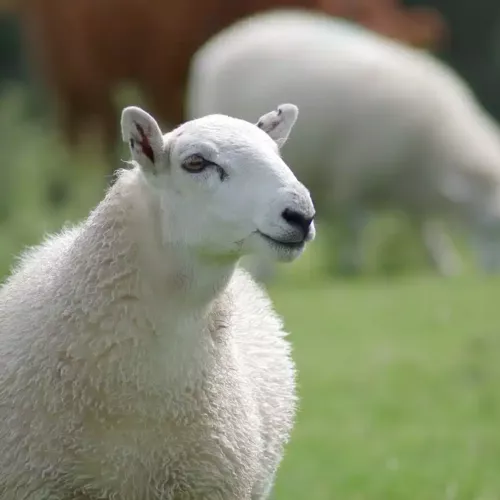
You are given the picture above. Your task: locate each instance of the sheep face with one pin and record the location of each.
(222, 185)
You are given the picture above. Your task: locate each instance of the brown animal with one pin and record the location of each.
(7, 6)
(84, 48)
(421, 27)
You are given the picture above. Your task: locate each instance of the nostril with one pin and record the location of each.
(297, 219)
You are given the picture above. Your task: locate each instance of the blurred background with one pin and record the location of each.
(398, 363)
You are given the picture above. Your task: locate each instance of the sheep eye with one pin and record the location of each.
(195, 163)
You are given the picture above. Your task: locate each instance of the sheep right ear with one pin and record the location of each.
(143, 135)
(279, 123)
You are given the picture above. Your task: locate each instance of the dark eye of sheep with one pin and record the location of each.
(196, 164)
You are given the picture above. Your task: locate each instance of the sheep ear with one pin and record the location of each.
(143, 135)
(279, 122)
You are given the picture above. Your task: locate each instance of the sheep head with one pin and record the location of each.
(222, 185)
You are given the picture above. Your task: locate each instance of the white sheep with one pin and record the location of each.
(382, 125)
(136, 360)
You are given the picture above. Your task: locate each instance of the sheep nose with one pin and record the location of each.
(298, 220)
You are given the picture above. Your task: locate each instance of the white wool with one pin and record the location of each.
(132, 367)
(381, 124)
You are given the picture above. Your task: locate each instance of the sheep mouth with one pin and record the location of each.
(288, 244)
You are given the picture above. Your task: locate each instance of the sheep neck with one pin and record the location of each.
(195, 281)
(163, 297)
(186, 280)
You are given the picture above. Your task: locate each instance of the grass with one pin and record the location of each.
(399, 387)
(399, 378)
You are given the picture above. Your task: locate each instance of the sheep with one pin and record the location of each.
(137, 360)
(382, 126)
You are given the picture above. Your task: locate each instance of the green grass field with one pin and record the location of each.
(399, 385)
(399, 378)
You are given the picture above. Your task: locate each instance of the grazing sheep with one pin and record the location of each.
(136, 360)
(382, 126)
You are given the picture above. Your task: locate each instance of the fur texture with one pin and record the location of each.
(133, 366)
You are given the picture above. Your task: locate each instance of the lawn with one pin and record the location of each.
(399, 385)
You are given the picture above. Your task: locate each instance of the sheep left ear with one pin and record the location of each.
(143, 135)
(279, 122)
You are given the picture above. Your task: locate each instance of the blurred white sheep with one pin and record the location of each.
(382, 126)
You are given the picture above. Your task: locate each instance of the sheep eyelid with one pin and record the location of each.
(205, 164)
